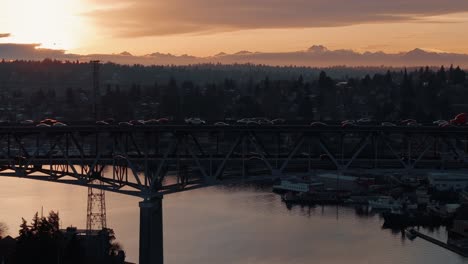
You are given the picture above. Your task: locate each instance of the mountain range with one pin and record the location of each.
(315, 56)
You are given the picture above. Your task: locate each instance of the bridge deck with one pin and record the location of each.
(140, 157)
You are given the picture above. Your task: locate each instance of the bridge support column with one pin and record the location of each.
(151, 231)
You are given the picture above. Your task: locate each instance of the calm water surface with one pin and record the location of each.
(232, 225)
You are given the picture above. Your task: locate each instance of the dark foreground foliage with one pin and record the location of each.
(42, 241)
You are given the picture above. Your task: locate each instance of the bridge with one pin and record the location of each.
(150, 161)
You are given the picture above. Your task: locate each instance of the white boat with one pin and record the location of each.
(385, 203)
(295, 185)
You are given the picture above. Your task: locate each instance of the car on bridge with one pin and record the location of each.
(27, 122)
(243, 120)
(137, 122)
(252, 123)
(194, 121)
(59, 124)
(265, 122)
(278, 121)
(406, 121)
(345, 125)
(163, 120)
(446, 124)
(348, 123)
(364, 120)
(318, 124)
(221, 124)
(388, 124)
(151, 122)
(262, 120)
(48, 121)
(102, 123)
(109, 120)
(439, 122)
(125, 124)
(413, 124)
(248, 121)
(460, 119)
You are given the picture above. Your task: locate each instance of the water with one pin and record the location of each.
(234, 225)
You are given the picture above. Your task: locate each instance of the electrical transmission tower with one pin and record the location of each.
(96, 209)
(96, 216)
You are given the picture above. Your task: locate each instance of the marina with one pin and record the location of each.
(405, 202)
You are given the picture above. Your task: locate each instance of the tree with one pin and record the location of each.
(325, 82)
(306, 109)
(3, 229)
(40, 241)
(248, 107)
(408, 97)
(459, 76)
(70, 96)
(171, 100)
(442, 74)
(43, 242)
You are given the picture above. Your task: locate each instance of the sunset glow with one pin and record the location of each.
(55, 24)
(143, 26)
(282, 131)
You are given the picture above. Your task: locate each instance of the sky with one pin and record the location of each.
(207, 27)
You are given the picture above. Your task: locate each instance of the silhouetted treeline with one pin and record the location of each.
(36, 90)
(42, 241)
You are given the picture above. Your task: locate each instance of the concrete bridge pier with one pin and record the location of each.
(151, 231)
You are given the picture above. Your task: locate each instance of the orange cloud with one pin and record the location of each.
(31, 52)
(134, 18)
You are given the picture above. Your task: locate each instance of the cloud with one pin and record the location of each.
(31, 52)
(4, 35)
(315, 56)
(134, 18)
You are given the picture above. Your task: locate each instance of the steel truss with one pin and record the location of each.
(156, 160)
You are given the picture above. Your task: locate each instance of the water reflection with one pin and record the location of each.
(235, 224)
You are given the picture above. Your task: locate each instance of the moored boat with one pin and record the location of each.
(385, 203)
(297, 186)
(316, 197)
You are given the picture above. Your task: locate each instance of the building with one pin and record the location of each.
(444, 181)
(95, 245)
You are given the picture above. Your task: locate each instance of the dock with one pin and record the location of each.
(440, 243)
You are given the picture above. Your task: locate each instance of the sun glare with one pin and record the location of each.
(55, 24)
